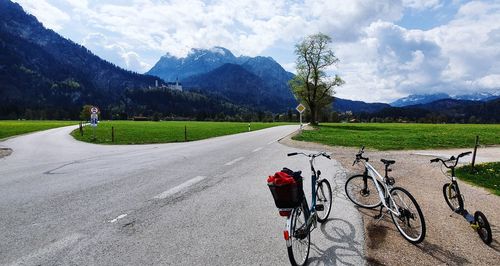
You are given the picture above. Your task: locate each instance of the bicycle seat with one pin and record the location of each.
(387, 162)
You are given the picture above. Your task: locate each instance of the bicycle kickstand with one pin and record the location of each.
(379, 216)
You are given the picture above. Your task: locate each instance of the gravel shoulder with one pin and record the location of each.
(449, 239)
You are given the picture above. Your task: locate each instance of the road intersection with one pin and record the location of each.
(203, 202)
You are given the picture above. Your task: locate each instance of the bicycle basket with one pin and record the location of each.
(286, 190)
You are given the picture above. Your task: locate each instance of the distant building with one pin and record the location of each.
(170, 85)
(175, 85)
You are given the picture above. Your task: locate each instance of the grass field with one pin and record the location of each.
(10, 128)
(485, 175)
(402, 136)
(135, 132)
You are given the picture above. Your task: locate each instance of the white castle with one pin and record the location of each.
(170, 85)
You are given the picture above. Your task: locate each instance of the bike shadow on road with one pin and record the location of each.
(378, 231)
(342, 245)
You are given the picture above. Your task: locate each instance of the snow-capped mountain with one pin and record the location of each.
(198, 61)
(415, 99)
(218, 70)
(479, 96)
(419, 99)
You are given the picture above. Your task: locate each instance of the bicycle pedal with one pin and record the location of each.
(320, 207)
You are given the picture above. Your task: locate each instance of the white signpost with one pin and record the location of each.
(94, 119)
(300, 108)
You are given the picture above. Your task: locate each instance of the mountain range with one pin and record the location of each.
(45, 76)
(259, 81)
(428, 98)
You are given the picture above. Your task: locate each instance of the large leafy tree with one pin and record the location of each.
(312, 85)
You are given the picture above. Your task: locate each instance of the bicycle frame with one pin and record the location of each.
(376, 176)
(310, 213)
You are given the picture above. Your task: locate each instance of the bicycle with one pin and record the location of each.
(455, 200)
(302, 220)
(368, 192)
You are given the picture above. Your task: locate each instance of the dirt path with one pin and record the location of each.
(449, 239)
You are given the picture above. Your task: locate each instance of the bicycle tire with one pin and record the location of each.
(484, 230)
(368, 196)
(452, 197)
(408, 212)
(298, 251)
(324, 196)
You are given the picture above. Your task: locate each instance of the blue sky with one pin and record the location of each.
(388, 49)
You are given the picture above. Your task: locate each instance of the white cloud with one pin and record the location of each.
(51, 16)
(422, 4)
(115, 52)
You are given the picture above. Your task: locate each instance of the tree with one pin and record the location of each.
(85, 113)
(312, 86)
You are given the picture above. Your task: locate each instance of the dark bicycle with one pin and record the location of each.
(455, 200)
(300, 218)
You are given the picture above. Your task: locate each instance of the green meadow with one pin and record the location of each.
(144, 132)
(486, 175)
(392, 136)
(10, 128)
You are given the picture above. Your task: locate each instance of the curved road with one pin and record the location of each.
(64, 202)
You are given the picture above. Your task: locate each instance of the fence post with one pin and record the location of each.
(113, 134)
(185, 134)
(81, 128)
(475, 151)
(248, 127)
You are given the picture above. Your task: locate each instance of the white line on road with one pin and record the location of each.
(269, 143)
(234, 161)
(179, 188)
(49, 250)
(258, 149)
(118, 218)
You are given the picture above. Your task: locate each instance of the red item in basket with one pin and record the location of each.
(280, 178)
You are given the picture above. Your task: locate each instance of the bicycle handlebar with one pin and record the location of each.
(452, 158)
(359, 156)
(313, 155)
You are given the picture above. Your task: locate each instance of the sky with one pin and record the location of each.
(387, 49)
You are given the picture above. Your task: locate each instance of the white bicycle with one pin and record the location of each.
(368, 192)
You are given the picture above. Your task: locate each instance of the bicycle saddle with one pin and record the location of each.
(387, 162)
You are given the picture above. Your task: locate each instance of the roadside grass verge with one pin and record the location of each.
(392, 136)
(485, 175)
(147, 132)
(9, 128)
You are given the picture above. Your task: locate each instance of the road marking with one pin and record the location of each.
(235, 161)
(49, 250)
(179, 188)
(258, 149)
(269, 143)
(118, 218)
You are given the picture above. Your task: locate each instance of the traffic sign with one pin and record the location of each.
(94, 119)
(300, 108)
(94, 110)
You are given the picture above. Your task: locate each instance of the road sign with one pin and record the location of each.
(94, 119)
(300, 108)
(94, 110)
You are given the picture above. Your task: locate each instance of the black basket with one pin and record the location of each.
(288, 195)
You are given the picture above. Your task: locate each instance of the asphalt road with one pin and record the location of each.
(64, 202)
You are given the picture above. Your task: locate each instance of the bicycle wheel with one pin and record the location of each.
(410, 222)
(300, 238)
(324, 197)
(484, 229)
(363, 192)
(452, 197)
